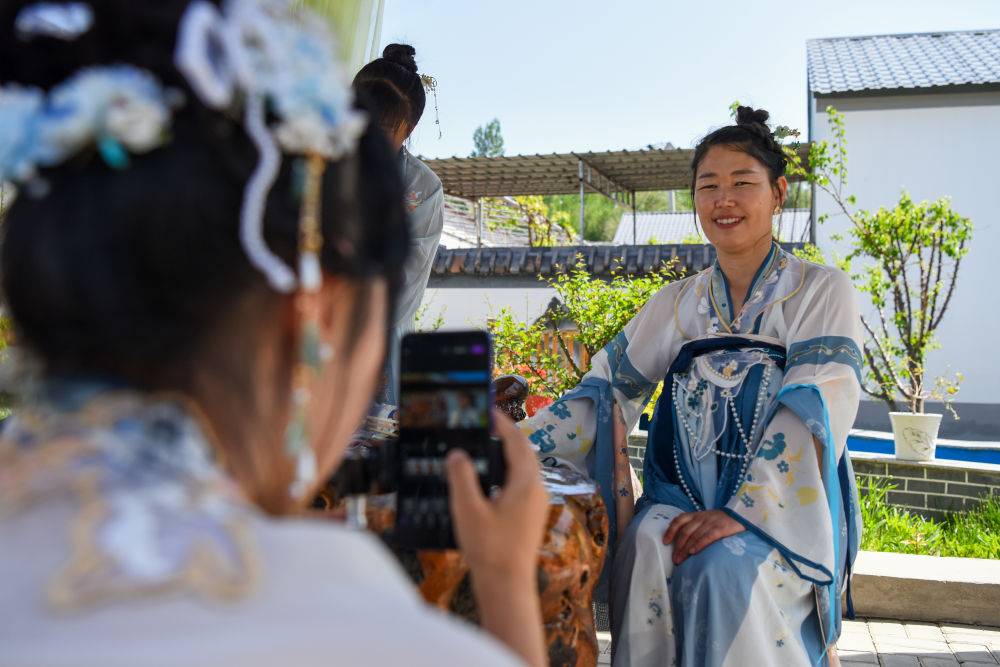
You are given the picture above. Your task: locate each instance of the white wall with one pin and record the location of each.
(935, 145)
(467, 307)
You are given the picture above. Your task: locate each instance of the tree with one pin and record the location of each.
(596, 307)
(909, 259)
(530, 211)
(600, 214)
(488, 140)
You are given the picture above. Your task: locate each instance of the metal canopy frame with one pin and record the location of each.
(618, 175)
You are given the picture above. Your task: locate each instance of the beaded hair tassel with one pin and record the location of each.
(313, 354)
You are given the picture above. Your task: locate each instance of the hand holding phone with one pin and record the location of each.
(500, 538)
(499, 535)
(445, 399)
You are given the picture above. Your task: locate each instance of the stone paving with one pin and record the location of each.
(901, 644)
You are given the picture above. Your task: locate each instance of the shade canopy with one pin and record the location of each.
(612, 173)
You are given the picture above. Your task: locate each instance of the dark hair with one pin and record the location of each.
(128, 272)
(393, 88)
(751, 135)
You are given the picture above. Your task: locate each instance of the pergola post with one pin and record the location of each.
(633, 218)
(478, 203)
(580, 163)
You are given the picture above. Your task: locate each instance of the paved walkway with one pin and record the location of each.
(901, 644)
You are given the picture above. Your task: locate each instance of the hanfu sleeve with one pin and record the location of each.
(576, 430)
(791, 497)
(426, 226)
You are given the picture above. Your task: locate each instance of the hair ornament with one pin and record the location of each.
(119, 109)
(266, 48)
(251, 58)
(59, 21)
(430, 84)
(271, 57)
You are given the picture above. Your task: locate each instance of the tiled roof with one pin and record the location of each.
(888, 62)
(668, 227)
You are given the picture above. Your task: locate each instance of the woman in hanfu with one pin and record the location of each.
(393, 87)
(743, 539)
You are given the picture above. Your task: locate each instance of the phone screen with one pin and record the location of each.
(445, 385)
(444, 403)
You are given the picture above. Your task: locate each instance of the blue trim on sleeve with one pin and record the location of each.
(791, 557)
(824, 350)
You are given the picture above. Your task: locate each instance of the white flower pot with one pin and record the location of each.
(915, 435)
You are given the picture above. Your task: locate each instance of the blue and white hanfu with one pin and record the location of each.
(752, 420)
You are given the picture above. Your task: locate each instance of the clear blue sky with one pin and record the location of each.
(566, 75)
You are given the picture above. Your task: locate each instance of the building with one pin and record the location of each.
(667, 227)
(922, 113)
(469, 286)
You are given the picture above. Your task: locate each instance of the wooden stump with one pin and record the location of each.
(569, 565)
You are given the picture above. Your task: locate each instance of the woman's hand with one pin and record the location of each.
(693, 531)
(502, 534)
(500, 539)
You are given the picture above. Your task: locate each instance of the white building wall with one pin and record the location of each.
(934, 145)
(470, 307)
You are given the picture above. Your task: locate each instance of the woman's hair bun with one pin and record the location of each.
(402, 55)
(751, 116)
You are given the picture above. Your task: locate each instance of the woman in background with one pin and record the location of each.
(392, 86)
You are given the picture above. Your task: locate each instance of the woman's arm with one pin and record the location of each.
(629, 366)
(500, 539)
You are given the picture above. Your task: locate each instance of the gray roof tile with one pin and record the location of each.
(887, 62)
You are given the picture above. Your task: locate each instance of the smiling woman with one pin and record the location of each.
(743, 538)
(738, 185)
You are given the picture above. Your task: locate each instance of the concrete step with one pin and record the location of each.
(927, 588)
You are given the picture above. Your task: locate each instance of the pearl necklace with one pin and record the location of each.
(746, 456)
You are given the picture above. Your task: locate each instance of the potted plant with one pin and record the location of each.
(906, 259)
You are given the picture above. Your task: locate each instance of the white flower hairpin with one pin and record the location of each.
(266, 56)
(252, 57)
(65, 21)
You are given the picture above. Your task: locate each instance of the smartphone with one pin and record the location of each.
(445, 401)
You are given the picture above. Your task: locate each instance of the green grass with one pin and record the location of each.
(973, 534)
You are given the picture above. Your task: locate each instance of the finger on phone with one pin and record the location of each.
(521, 461)
(465, 494)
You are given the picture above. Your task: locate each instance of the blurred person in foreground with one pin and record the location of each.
(201, 262)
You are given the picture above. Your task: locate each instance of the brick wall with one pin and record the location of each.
(930, 489)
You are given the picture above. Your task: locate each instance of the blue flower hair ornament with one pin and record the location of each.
(245, 58)
(119, 110)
